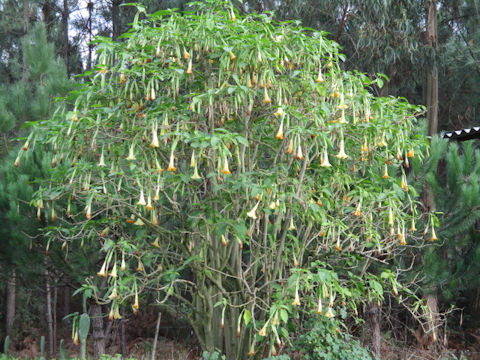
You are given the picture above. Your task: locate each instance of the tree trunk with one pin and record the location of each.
(90, 46)
(115, 19)
(66, 49)
(48, 17)
(98, 333)
(157, 329)
(66, 303)
(433, 318)
(48, 314)
(122, 334)
(374, 325)
(10, 306)
(432, 75)
(54, 315)
(432, 115)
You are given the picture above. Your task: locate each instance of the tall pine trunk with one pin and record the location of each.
(374, 315)
(48, 315)
(10, 306)
(66, 50)
(115, 19)
(432, 75)
(432, 115)
(89, 26)
(98, 334)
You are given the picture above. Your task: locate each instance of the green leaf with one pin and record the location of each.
(375, 285)
(247, 316)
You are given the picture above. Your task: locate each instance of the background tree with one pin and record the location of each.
(450, 269)
(28, 98)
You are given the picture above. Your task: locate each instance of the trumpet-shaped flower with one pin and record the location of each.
(324, 162)
(154, 218)
(156, 242)
(292, 225)
(290, 147)
(123, 266)
(279, 134)
(114, 294)
(279, 112)
(252, 213)
(195, 175)
(341, 153)
(113, 273)
(358, 211)
(157, 193)
(412, 226)
(329, 313)
(364, 147)
(149, 206)
(404, 184)
(153, 96)
(102, 160)
(116, 313)
(171, 164)
(410, 153)
(193, 161)
(88, 211)
(159, 167)
(385, 172)
(266, 97)
(390, 216)
(141, 201)
(154, 143)
(225, 169)
(399, 155)
(131, 153)
(135, 305)
(338, 246)
(296, 300)
(190, 67)
(299, 154)
(17, 161)
(319, 78)
(139, 222)
(342, 120)
(251, 351)
(319, 306)
(434, 236)
(103, 269)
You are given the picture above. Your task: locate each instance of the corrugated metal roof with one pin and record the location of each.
(463, 134)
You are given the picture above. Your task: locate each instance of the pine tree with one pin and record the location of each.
(29, 97)
(450, 267)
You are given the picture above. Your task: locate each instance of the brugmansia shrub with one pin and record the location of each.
(231, 166)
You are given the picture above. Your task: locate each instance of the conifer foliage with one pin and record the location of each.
(453, 174)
